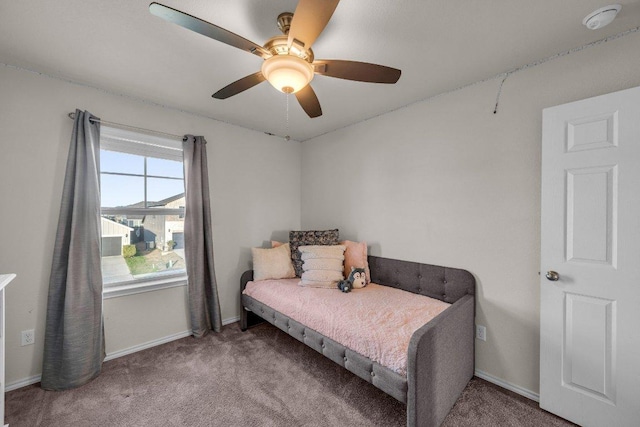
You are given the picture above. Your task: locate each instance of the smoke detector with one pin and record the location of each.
(601, 17)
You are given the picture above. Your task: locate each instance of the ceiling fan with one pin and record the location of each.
(289, 64)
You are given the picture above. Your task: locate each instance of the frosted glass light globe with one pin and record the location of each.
(287, 73)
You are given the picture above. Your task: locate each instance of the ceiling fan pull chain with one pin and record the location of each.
(286, 136)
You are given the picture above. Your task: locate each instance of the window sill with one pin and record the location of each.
(132, 288)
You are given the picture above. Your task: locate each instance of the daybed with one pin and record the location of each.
(440, 359)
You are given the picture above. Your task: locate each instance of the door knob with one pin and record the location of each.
(552, 276)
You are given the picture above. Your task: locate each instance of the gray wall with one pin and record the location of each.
(447, 182)
(255, 189)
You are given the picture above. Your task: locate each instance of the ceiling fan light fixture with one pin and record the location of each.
(287, 73)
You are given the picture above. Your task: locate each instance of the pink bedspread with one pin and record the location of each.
(376, 321)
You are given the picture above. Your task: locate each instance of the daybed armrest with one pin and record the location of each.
(247, 318)
(440, 363)
(246, 277)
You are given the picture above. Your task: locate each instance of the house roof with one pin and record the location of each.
(168, 200)
(106, 221)
(159, 203)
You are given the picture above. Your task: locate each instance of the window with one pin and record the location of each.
(142, 208)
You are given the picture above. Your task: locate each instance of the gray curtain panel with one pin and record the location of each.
(74, 335)
(204, 305)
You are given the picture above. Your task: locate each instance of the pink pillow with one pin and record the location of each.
(356, 256)
(275, 243)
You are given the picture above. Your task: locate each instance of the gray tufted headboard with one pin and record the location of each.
(443, 283)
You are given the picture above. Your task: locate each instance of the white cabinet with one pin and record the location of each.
(4, 281)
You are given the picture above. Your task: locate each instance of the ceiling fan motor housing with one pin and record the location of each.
(279, 45)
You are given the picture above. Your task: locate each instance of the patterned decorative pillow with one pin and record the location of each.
(307, 238)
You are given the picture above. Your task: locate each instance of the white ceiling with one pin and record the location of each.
(439, 45)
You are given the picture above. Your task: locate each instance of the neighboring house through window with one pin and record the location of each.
(142, 193)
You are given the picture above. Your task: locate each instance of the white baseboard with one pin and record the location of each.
(230, 320)
(36, 378)
(23, 383)
(504, 384)
(146, 345)
(159, 341)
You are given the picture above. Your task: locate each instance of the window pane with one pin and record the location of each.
(137, 246)
(165, 192)
(113, 161)
(161, 167)
(117, 190)
(141, 247)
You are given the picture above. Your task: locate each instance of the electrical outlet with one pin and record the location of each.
(28, 337)
(481, 332)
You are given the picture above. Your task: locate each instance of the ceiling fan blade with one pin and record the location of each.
(309, 19)
(309, 101)
(239, 86)
(207, 29)
(358, 71)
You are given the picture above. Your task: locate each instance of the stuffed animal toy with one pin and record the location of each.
(356, 280)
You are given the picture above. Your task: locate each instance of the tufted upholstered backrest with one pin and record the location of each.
(443, 283)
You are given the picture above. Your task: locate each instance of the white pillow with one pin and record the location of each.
(272, 263)
(322, 265)
(322, 275)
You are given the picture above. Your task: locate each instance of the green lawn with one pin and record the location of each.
(153, 261)
(140, 265)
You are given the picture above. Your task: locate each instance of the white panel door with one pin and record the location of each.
(590, 315)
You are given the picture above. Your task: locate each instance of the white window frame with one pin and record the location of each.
(129, 142)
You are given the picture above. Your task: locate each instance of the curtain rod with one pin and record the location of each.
(72, 116)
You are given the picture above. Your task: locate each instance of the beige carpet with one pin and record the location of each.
(261, 377)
